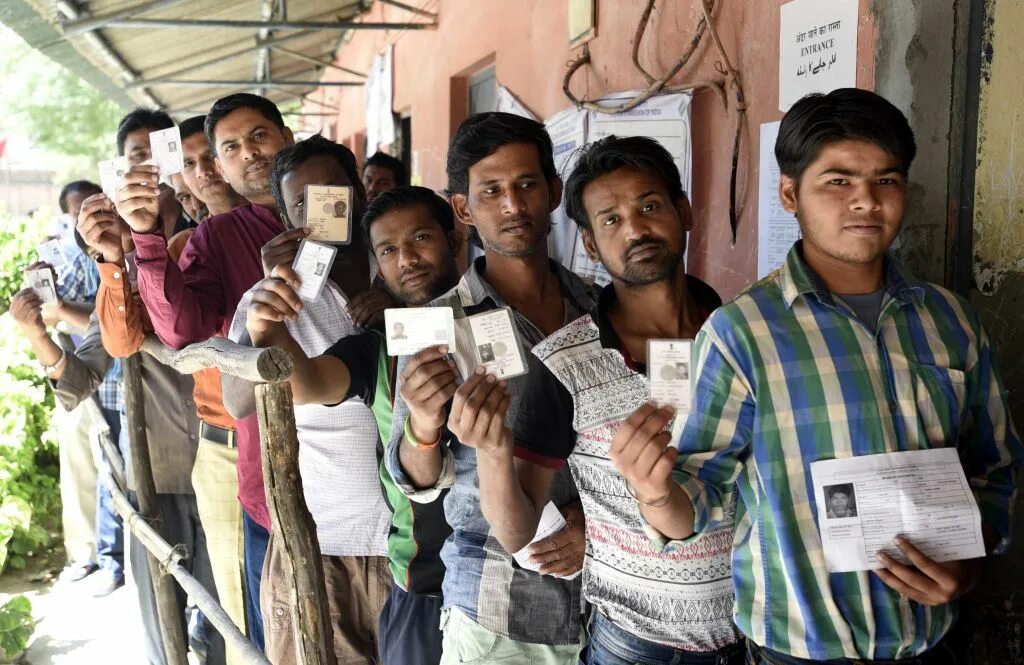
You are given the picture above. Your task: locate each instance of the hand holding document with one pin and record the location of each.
(165, 146)
(409, 330)
(313, 264)
(551, 522)
(41, 283)
(921, 495)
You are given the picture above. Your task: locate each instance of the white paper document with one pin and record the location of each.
(111, 172)
(412, 329)
(41, 283)
(52, 252)
(313, 264)
(817, 48)
(669, 372)
(165, 146)
(921, 495)
(777, 229)
(551, 522)
(495, 343)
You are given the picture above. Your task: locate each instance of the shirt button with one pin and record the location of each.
(892, 407)
(120, 308)
(117, 275)
(279, 612)
(188, 402)
(192, 436)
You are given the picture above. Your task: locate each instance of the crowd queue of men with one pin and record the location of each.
(693, 544)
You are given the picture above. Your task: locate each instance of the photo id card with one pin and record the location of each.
(329, 213)
(495, 343)
(313, 264)
(165, 146)
(669, 372)
(41, 282)
(52, 252)
(409, 330)
(111, 172)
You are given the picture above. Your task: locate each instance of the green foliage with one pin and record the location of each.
(29, 465)
(16, 626)
(45, 100)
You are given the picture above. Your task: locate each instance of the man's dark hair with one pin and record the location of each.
(611, 154)
(480, 135)
(240, 100)
(401, 198)
(151, 119)
(194, 125)
(79, 186)
(386, 161)
(295, 155)
(846, 114)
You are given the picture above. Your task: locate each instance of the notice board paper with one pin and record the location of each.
(777, 229)
(817, 48)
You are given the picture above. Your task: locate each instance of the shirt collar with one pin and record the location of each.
(797, 279)
(474, 289)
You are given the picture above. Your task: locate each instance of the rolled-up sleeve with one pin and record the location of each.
(84, 369)
(393, 462)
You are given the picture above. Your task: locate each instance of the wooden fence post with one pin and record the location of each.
(169, 612)
(294, 526)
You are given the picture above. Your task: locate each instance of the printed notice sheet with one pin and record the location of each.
(922, 495)
(817, 48)
(551, 522)
(777, 229)
(412, 329)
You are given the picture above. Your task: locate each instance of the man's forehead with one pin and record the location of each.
(510, 160)
(239, 122)
(195, 143)
(317, 170)
(138, 137)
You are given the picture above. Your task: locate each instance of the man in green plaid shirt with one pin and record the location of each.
(839, 353)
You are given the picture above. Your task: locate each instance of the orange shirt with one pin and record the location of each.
(124, 324)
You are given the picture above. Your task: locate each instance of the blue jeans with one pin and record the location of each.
(254, 551)
(611, 645)
(940, 654)
(109, 531)
(409, 632)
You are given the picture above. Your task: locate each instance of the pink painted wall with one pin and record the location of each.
(527, 41)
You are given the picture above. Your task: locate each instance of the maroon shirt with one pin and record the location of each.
(195, 299)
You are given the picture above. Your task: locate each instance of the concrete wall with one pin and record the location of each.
(527, 40)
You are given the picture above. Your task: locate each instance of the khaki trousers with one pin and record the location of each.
(78, 478)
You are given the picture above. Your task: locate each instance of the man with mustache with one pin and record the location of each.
(195, 298)
(626, 196)
(502, 183)
(412, 234)
(383, 173)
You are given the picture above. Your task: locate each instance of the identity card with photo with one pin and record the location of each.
(409, 330)
(495, 343)
(313, 264)
(111, 172)
(329, 213)
(41, 283)
(52, 252)
(669, 372)
(165, 145)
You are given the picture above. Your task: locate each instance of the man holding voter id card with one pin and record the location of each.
(840, 373)
(502, 182)
(633, 347)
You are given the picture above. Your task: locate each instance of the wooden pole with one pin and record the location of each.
(169, 613)
(293, 526)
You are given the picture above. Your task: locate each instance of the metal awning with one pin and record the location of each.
(181, 55)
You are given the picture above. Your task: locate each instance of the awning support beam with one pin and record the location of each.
(89, 23)
(242, 84)
(151, 23)
(316, 61)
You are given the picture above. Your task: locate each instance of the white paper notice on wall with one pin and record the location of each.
(506, 102)
(817, 48)
(777, 229)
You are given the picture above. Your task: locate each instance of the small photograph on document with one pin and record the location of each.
(840, 501)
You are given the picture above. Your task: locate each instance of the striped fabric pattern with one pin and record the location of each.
(787, 375)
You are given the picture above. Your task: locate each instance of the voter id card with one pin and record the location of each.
(313, 264)
(409, 330)
(329, 213)
(669, 371)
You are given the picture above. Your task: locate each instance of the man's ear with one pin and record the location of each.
(788, 193)
(554, 193)
(289, 138)
(685, 211)
(590, 245)
(460, 206)
(456, 240)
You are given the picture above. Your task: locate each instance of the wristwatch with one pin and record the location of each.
(50, 369)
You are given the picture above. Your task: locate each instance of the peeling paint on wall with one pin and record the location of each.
(999, 183)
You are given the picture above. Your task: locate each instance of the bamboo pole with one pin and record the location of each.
(294, 526)
(169, 613)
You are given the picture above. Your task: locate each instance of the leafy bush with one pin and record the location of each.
(16, 626)
(29, 463)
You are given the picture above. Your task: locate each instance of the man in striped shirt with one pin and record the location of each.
(839, 353)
